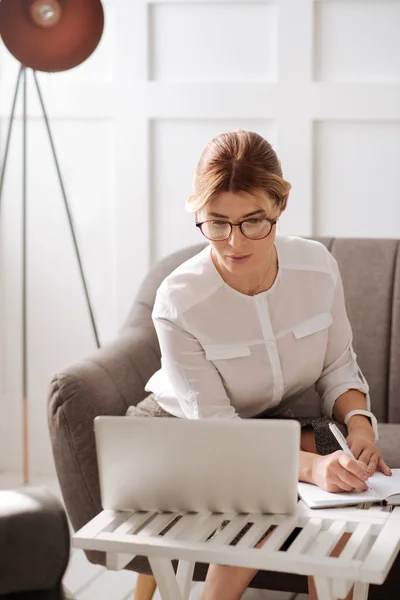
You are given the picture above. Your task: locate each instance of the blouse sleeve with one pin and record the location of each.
(194, 380)
(340, 370)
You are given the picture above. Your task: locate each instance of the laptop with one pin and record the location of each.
(216, 465)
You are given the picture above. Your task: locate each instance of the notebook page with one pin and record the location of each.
(315, 497)
(381, 487)
(386, 486)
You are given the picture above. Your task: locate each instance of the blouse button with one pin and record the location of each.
(272, 344)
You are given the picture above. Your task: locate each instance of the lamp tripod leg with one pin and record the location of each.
(9, 132)
(25, 416)
(69, 215)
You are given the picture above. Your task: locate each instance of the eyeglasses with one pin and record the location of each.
(254, 229)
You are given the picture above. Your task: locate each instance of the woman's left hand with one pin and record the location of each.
(361, 441)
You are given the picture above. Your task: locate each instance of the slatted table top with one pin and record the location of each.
(307, 537)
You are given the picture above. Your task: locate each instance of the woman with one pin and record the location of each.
(250, 323)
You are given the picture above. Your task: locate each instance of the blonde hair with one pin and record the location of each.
(241, 162)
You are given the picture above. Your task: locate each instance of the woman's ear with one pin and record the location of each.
(282, 206)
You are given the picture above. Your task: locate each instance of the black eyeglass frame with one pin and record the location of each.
(271, 221)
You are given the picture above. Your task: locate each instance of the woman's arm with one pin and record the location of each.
(342, 385)
(194, 379)
(351, 400)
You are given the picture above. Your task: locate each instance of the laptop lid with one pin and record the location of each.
(158, 464)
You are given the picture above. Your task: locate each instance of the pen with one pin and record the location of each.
(342, 442)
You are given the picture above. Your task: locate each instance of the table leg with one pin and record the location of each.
(184, 577)
(164, 575)
(360, 591)
(323, 588)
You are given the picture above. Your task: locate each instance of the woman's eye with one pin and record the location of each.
(219, 222)
(254, 221)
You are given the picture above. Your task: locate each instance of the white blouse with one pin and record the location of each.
(226, 354)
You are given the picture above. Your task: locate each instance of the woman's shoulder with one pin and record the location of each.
(306, 254)
(188, 282)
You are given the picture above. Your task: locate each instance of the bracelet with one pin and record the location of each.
(365, 413)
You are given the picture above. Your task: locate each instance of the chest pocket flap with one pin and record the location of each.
(313, 325)
(218, 352)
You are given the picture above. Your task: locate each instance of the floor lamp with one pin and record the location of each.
(48, 36)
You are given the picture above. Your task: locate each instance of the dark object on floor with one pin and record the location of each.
(34, 545)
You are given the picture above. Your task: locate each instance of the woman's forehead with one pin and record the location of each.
(234, 206)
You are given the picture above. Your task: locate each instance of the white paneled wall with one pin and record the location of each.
(319, 79)
(357, 40)
(213, 41)
(357, 178)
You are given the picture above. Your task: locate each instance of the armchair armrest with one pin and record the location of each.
(104, 384)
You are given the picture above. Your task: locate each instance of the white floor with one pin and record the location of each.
(93, 582)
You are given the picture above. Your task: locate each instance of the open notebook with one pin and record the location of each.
(383, 488)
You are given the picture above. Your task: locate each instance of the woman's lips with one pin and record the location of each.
(239, 258)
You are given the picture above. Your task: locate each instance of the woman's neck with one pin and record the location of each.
(254, 283)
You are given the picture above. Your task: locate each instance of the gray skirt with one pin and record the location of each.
(324, 440)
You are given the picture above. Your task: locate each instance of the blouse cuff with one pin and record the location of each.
(328, 401)
(340, 380)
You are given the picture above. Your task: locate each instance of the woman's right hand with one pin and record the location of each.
(337, 472)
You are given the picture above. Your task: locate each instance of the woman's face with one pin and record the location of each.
(239, 254)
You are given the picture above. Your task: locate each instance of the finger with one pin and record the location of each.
(357, 449)
(370, 460)
(373, 463)
(364, 457)
(347, 478)
(341, 486)
(359, 469)
(334, 488)
(336, 484)
(382, 466)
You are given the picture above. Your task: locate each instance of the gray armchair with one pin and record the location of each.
(114, 377)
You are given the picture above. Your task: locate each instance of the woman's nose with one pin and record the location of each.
(236, 238)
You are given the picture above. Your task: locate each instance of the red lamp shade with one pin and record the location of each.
(51, 35)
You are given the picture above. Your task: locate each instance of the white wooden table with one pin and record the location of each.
(366, 558)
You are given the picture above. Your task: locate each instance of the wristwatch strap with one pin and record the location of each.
(365, 413)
